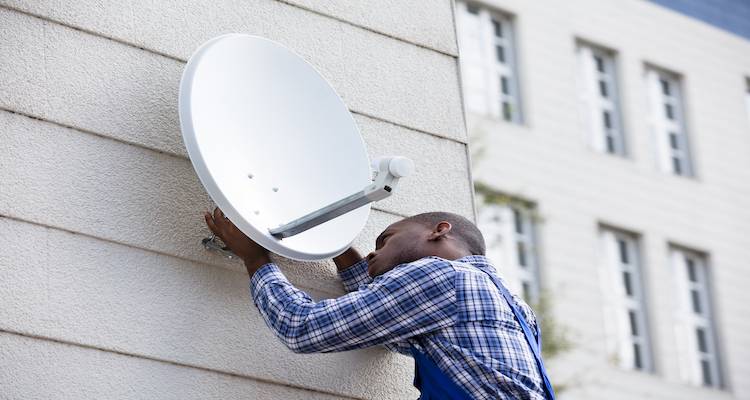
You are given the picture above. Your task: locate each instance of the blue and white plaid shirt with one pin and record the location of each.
(450, 310)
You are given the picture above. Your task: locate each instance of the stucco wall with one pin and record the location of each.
(105, 291)
(548, 160)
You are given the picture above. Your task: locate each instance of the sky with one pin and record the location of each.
(730, 15)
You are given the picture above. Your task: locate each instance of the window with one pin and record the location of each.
(668, 122)
(696, 334)
(624, 301)
(488, 62)
(509, 232)
(600, 99)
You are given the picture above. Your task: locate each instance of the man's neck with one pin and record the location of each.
(451, 253)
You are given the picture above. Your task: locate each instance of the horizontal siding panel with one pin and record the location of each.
(40, 369)
(433, 28)
(84, 77)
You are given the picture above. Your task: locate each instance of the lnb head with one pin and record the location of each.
(397, 166)
(401, 166)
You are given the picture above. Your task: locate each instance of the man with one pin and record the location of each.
(426, 291)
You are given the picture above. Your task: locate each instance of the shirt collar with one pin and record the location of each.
(476, 260)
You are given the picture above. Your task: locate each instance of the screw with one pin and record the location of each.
(250, 176)
(275, 189)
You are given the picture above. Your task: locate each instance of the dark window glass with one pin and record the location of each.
(696, 297)
(633, 323)
(603, 88)
(497, 27)
(701, 336)
(504, 85)
(521, 250)
(623, 251)
(637, 356)
(610, 144)
(669, 110)
(674, 141)
(472, 9)
(500, 53)
(706, 368)
(626, 280)
(691, 270)
(507, 114)
(607, 120)
(665, 87)
(599, 63)
(677, 165)
(518, 220)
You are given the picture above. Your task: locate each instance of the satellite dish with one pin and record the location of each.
(277, 149)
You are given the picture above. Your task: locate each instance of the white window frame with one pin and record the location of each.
(625, 314)
(485, 92)
(699, 362)
(671, 134)
(599, 94)
(506, 246)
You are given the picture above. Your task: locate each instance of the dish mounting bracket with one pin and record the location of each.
(388, 171)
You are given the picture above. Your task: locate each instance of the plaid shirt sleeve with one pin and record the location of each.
(355, 275)
(410, 300)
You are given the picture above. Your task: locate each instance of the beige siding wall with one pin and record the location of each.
(106, 292)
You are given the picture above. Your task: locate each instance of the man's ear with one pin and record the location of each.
(440, 230)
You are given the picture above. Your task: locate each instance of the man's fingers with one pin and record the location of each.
(210, 222)
(220, 220)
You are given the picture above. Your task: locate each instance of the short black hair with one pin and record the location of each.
(464, 229)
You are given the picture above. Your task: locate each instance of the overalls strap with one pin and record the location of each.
(534, 341)
(434, 384)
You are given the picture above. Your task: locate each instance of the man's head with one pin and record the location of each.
(441, 234)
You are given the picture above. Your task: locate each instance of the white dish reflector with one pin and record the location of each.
(271, 141)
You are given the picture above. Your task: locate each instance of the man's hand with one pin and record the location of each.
(254, 255)
(346, 259)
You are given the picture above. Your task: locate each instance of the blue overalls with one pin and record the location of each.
(433, 384)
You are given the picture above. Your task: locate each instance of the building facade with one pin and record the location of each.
(105, 290)
(611, 147)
